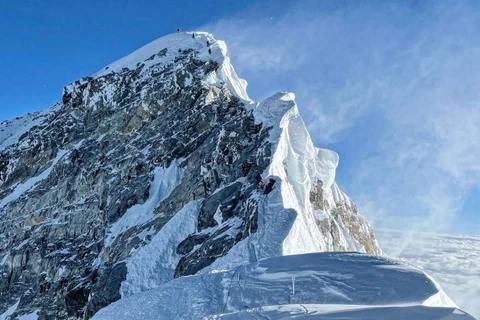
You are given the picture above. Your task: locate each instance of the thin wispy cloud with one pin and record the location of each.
(404, 75)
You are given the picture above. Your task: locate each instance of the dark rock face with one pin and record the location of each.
(106, 290)
(96, 154)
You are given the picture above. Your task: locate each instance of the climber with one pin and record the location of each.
(209, 51)
(193, 35)
(258, 179)
(178, 30)
(269, 186)
(215, 66)
(208, 43)
(246, 167)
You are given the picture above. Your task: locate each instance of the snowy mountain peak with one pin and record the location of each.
(157, 167)
(179, 53)
(165, 49)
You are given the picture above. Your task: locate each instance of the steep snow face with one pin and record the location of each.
(293, 162)
(324, 285)
(133, 179)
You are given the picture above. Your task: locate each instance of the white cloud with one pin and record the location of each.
(454, 261)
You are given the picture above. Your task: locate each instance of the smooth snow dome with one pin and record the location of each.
(343, 283)
(453, 260)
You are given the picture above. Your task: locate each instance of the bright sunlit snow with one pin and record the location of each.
(286, 218)
(346, 312)
(330, 285)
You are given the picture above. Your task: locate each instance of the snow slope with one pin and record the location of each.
(295, 163)
(9, 311)
(154, 264)
(328, 285)
(305, 213)
(6, 315)
(300, 166)
(453, 260)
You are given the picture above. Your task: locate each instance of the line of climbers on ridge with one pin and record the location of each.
(258, 178)
(215, 65)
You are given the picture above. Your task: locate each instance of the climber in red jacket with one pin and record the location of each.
(269, 186)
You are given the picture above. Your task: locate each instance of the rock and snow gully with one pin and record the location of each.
(135, 179)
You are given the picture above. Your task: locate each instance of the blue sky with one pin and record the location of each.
(392, 86)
